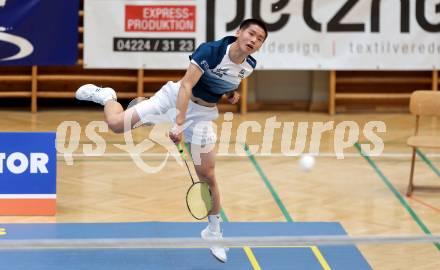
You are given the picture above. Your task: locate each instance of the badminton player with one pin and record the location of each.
(215, 69)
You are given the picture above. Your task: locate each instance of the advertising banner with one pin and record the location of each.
(38, 32)
(27, 173)
(340, 34)
(142, 34)
(303, 34)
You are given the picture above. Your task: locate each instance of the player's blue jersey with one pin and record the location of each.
(220, 74)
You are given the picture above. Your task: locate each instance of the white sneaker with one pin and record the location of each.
(218, 252)
(91, 92)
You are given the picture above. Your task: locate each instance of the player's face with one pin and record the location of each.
(251, 39)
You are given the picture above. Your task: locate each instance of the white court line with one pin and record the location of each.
(162, 155)
(269, 241)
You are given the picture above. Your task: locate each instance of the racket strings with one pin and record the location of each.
(199, 200)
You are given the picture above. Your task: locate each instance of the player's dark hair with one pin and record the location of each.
(248, 22)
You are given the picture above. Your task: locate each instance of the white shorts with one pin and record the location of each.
(162, 108)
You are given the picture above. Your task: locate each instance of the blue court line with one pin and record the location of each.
(396, 193)
(427, 161)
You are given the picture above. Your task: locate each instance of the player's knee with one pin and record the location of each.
(208, 176)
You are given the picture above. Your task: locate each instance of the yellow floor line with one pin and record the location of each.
(252, 258)
(320, 258)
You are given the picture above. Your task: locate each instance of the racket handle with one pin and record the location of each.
(182, 153)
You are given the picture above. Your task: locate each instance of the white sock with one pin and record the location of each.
(106, 99)
(214, 222)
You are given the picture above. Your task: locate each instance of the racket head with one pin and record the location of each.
(199, 200)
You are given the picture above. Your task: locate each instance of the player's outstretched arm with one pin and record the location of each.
(191, 77)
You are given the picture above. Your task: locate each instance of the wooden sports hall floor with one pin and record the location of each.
(366, 195)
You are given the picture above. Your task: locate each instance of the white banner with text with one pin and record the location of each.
(303, 34)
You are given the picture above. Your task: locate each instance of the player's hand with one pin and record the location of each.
(233, 97)
(175, 134)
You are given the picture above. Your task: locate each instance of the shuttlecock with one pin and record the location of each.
(306, 162)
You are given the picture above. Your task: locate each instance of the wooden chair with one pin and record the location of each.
(422, 103)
